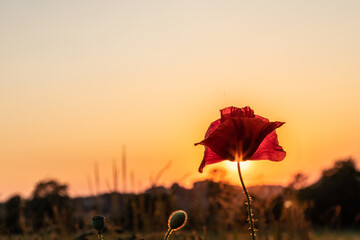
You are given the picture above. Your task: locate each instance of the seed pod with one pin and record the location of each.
(98, 222)
(177, 220)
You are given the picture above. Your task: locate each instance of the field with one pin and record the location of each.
(188, 235)
(215, 210)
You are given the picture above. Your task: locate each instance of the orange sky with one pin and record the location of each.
(78, 80)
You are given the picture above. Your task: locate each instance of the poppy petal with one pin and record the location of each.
(236, 135)
(230, 112)
(269, 149)
(209, 158)
(213, 126)
(221, 140)
(241, 136)
(239, 133)
(265, 131)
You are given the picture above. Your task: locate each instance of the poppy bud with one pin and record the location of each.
(177, 220)
(98, 222)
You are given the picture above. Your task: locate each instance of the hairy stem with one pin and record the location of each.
(168, 234)
(248, 202)
(100, 236)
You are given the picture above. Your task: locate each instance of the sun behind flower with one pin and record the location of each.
(240, 135)
(233, 167)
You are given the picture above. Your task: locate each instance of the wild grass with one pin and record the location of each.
(215, 210)
(185, 235)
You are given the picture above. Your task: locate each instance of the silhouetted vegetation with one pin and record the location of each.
(49, 206)
(12, 218)
(334, 200)
(214, 207)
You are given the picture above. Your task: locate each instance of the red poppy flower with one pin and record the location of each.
(241, 135)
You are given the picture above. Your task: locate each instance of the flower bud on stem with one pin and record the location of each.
(99, 224)
(177, 220)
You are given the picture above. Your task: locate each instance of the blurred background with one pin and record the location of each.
(102, 101)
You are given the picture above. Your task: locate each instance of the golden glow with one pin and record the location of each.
(74, 89)
(232, 166)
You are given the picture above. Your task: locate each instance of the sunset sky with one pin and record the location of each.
(81, 79)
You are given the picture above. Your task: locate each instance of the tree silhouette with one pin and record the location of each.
(12, 215)
(50, 205)
(335, 197)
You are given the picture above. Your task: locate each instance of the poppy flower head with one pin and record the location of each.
(241, 135)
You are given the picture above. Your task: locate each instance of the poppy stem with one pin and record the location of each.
(248, 198)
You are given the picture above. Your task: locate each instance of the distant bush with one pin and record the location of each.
(334, 200)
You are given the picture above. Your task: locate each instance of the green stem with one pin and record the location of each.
(248, 202)
(168, 234)
(100, 237)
